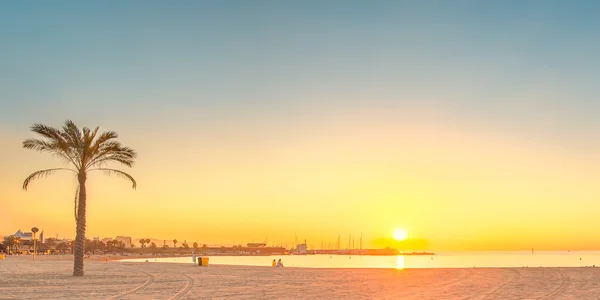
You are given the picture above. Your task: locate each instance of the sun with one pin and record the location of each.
(400, 234)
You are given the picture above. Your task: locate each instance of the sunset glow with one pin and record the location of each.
(283, 122)
(400, 234)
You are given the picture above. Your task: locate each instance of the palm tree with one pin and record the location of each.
(174, 243)
(89, 245)
(142, 242)
(195, 245)
(116, 245)
(85, 151)
(17, 243)
(62, 246)
(101, 246)
(50, 242)
(11, 242)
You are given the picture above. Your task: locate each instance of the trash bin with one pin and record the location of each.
(2, 256)
(202, 261)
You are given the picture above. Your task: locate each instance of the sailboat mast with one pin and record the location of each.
(361, 241)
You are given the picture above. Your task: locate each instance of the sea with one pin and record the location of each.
(439, 260)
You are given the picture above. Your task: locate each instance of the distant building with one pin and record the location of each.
(24, 236)
(126, 240)
(301, 249)
(26, 240)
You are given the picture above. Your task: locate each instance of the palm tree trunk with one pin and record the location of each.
(80, 237)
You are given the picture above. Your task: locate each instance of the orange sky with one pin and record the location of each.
(474, 126)
(456, 188)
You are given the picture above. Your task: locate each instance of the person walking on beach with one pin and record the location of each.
(274, 263)
(279, 263)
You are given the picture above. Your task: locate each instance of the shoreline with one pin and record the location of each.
(124, 260)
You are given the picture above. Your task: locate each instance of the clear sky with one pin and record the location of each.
(473, 125)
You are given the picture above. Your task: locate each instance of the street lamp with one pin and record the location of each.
(34, 230)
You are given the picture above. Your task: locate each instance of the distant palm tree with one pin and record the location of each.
(174, 243)
(17, 242)
(195, 245)
(152, 245)
(85, 151)
(89, 245)
(116, 244)
(11, 242)
(142, 242)
(50, 242)
(62, 246)
(148, 241)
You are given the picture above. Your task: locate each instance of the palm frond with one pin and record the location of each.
(72, 134)
(56, 140)
(42, 173)
(126, 159)
(39, 145)
(48, 132)
(112, 151)
(44, 146)
(118, 173)
(88, 138)
(101, 140)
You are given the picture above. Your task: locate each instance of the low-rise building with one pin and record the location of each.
(24, 236)
(301, 249)
(126, 240)
(25, 241)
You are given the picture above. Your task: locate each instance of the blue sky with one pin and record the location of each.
(470, 58)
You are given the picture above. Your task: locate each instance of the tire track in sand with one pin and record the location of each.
(515, 278)
(457, 279)
(561, 287)
(187, 288)
(148, 282)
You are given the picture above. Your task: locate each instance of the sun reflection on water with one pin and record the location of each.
(400, 262)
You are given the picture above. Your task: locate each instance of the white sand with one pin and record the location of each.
(48, 278)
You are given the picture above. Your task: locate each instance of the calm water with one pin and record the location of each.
(441, 260)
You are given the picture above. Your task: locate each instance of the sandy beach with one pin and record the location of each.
(50, 278)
